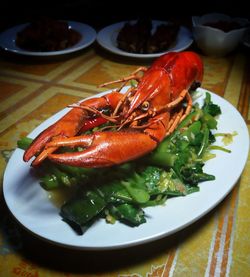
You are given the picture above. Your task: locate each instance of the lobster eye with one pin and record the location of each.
(145, 106)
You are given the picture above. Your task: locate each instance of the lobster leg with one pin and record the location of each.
(68, 126)
(132, 76)
(189, 106)
(111, 148)
(174, 122)
(178, 100)
(180, 115)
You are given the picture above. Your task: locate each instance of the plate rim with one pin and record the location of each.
(106, 32)
(142, 240)
(83, 28)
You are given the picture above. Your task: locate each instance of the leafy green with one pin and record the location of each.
(121, 199)
(174, 168)
(209, 107)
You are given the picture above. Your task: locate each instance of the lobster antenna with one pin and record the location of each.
(125, 79)
(87, 108)
(122, 101)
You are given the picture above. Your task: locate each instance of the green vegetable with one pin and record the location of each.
(123, 199)
(56, 178)
(215, 147)
(83, 209)
(174, 168)
(24, 143)
(114, 192)
(130, 214)
(193, 116)
(162, 155)
(192, 131)
(193, 174)
(49, 182)
(209, 107)
(139, 195)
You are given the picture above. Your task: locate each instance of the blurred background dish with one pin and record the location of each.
(218, 34)
(47, 34)
(107, 38)
(8, 40)
(143, 37)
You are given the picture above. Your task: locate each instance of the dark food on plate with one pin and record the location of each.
(225, 26)
(161, 40)
(133, 38)
(45, 34)
(138, 37)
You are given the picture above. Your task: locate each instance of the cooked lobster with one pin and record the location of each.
(135, 121)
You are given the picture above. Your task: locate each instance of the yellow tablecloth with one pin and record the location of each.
(216, 245)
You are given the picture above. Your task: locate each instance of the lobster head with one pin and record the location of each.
(163, 82)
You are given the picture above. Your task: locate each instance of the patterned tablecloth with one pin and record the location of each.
(32, 90)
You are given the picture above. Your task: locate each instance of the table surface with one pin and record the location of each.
(31, 90)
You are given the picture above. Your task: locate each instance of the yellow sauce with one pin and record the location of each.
(59, 196)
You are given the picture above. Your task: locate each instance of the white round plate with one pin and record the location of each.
(108, 35)
(8, 40)
(30, 205)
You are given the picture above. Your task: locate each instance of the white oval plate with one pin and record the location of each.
(30, 205)
(108, 35)
(8, 40)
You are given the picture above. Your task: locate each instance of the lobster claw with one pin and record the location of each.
(38, 144)
(68, 126)
(103, 149)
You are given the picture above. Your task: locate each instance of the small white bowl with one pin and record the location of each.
(213, 41)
